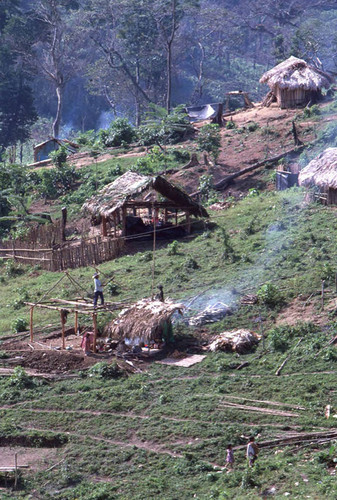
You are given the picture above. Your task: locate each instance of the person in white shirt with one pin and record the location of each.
(98, 290)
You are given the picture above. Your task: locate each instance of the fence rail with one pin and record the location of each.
(68, 255)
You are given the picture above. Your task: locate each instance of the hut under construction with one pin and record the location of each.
(145, 321)
(294, 83)
(321, 173)
(136, 204)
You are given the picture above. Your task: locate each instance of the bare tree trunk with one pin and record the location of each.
(169, 55)
(57, 120)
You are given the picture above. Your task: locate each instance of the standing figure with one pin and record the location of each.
(252, 451)
(98, 290)
(229, 457)
(86, 343)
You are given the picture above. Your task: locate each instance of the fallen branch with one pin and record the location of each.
(278, 371)
(219, 186)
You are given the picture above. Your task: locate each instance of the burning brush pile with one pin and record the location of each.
(240, 341)
(144, 321)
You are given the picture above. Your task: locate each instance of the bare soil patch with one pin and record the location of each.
(35, 458)
(302, 309)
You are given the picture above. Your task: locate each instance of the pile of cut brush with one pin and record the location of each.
(240, 341)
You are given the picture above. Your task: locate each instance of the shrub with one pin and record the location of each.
(119, 133)
(209, 139)
(269, 294)
(19, 325)
(104, 370)
(20, 378)
(59, 157)
(230, 125)
(173, 248)
(252, 126)
(113, 289)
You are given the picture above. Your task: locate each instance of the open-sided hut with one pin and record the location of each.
(131, 201)
(321, 173)
(294, 83)
(144, 321)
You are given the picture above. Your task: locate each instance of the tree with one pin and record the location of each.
(17, 112)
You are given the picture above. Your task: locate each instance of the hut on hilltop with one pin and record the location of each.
(321, 173)
(295, 83)
(131, 204)
(145, 321)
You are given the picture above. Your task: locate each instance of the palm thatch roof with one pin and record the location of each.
(296, 73)
(321, 171)
(143, 321)
(131, 185)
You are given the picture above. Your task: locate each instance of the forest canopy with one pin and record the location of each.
(78, 64)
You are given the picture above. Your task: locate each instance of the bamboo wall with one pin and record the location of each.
(293, 98)
(69, 255)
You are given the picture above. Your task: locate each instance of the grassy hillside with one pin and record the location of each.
(160, 433)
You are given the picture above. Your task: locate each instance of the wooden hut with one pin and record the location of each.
(321, 173)
(145, 321)
(43, 150)
(295, 83)
(141, 204)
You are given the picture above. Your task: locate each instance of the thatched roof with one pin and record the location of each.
(296, 73)
(144, 320)
(240, 341)
(321, 171)
(131, 185)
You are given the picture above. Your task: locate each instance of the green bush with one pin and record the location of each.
(19, 325)
(269, 294)
(209, 139)
(230, 125)
(57, 181)
(20, 378)
(173, 248)
(104, 370)
(119, 133)
(59, 157)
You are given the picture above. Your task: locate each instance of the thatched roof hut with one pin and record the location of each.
(295, 83)
(144, 321)
(127, 192)
(322, 172)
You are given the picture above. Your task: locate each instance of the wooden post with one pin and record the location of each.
(104, 228)
(94, 320)
(322, 299)
(31, 324)
(16, 471)
(63, 330)
(336, 282)
(76, 323)
(123, 221)
(188, 223)
(176, 217)
(63, 224)
(165, 215)
(115, 224)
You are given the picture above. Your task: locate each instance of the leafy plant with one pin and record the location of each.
(119, 133)
(104, 370)
(173, 248)
(209, 139)
(19, 325)
(269, 294)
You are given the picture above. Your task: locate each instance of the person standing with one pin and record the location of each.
(229, 457)
(98, 290)
(252, 451)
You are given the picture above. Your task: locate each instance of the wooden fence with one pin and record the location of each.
(68, 255)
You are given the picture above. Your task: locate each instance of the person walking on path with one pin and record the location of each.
(229, 458)
(98, 290)
(252, 451)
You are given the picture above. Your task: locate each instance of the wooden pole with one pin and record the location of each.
(155, 212)
(31, 324)
(76, 323)
(94, 320)
(63, 330)
(104, 226)
(188, 223)
(16, 470)
(63, 224)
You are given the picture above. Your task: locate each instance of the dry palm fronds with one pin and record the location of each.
(296, 73)
(321, 171)
(144, 320)
(240, 341)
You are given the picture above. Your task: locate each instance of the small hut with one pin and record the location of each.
(295, 83)
(321, 173)
(140, 204)
(42, 151)
(145, 321)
